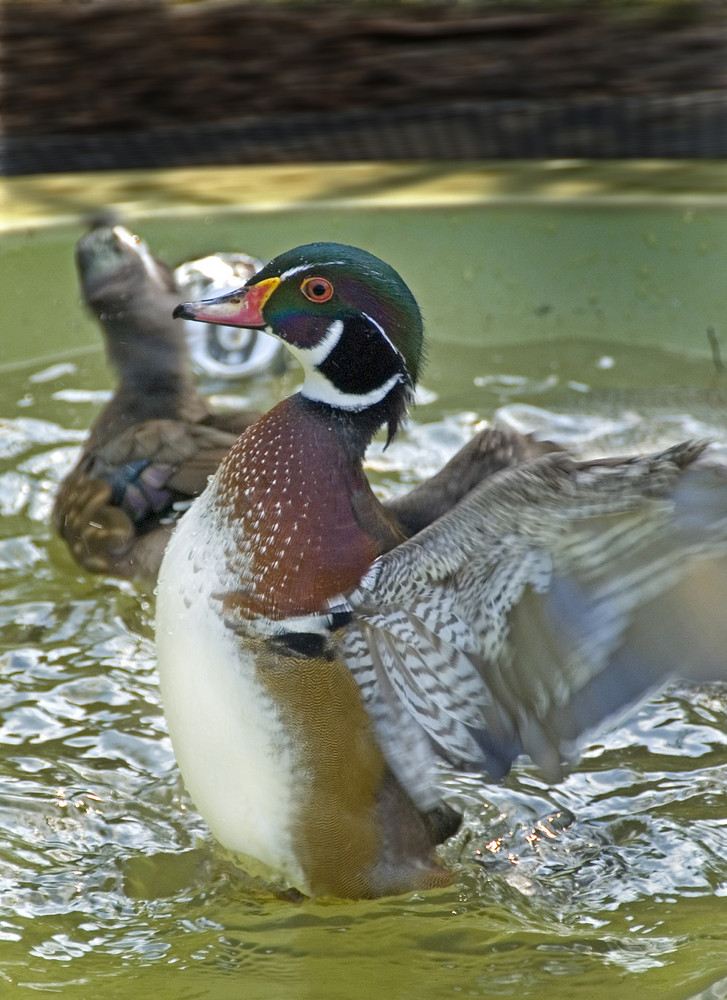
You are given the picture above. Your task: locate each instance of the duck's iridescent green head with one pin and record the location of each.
(347, 316)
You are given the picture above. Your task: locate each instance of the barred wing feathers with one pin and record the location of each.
(548, 601)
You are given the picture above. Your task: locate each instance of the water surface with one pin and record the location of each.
(110, 884)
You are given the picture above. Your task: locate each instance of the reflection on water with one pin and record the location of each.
(109, 882)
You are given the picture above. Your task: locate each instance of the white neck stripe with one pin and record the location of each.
(318, 388)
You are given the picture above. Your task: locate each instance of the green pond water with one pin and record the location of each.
(110, 884)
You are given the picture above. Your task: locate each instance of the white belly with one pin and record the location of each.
(232, 750)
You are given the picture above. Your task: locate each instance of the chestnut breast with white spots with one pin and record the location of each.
(287, 489)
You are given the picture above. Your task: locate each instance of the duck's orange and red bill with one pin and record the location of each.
(240, 308)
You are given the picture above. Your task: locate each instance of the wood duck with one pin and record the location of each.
(155, 444)
(318, 669)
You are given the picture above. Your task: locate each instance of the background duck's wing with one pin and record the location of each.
(158, 463)
(120, 492)
(489, 451)
(553, 596)
(231, 422)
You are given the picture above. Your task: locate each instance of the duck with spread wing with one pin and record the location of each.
(318, 667)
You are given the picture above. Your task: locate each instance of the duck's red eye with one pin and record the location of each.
(317, 289)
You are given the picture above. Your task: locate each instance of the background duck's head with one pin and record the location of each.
(112, 263)
(345, 314)
(132, 294)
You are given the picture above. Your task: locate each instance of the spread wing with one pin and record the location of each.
(119, 493)
(549, 600)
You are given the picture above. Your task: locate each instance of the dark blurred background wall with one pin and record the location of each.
(122, 83)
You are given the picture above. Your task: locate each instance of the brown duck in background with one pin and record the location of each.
(156, 442)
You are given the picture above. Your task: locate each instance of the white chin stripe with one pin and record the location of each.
(311, 356)
(318, 388)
